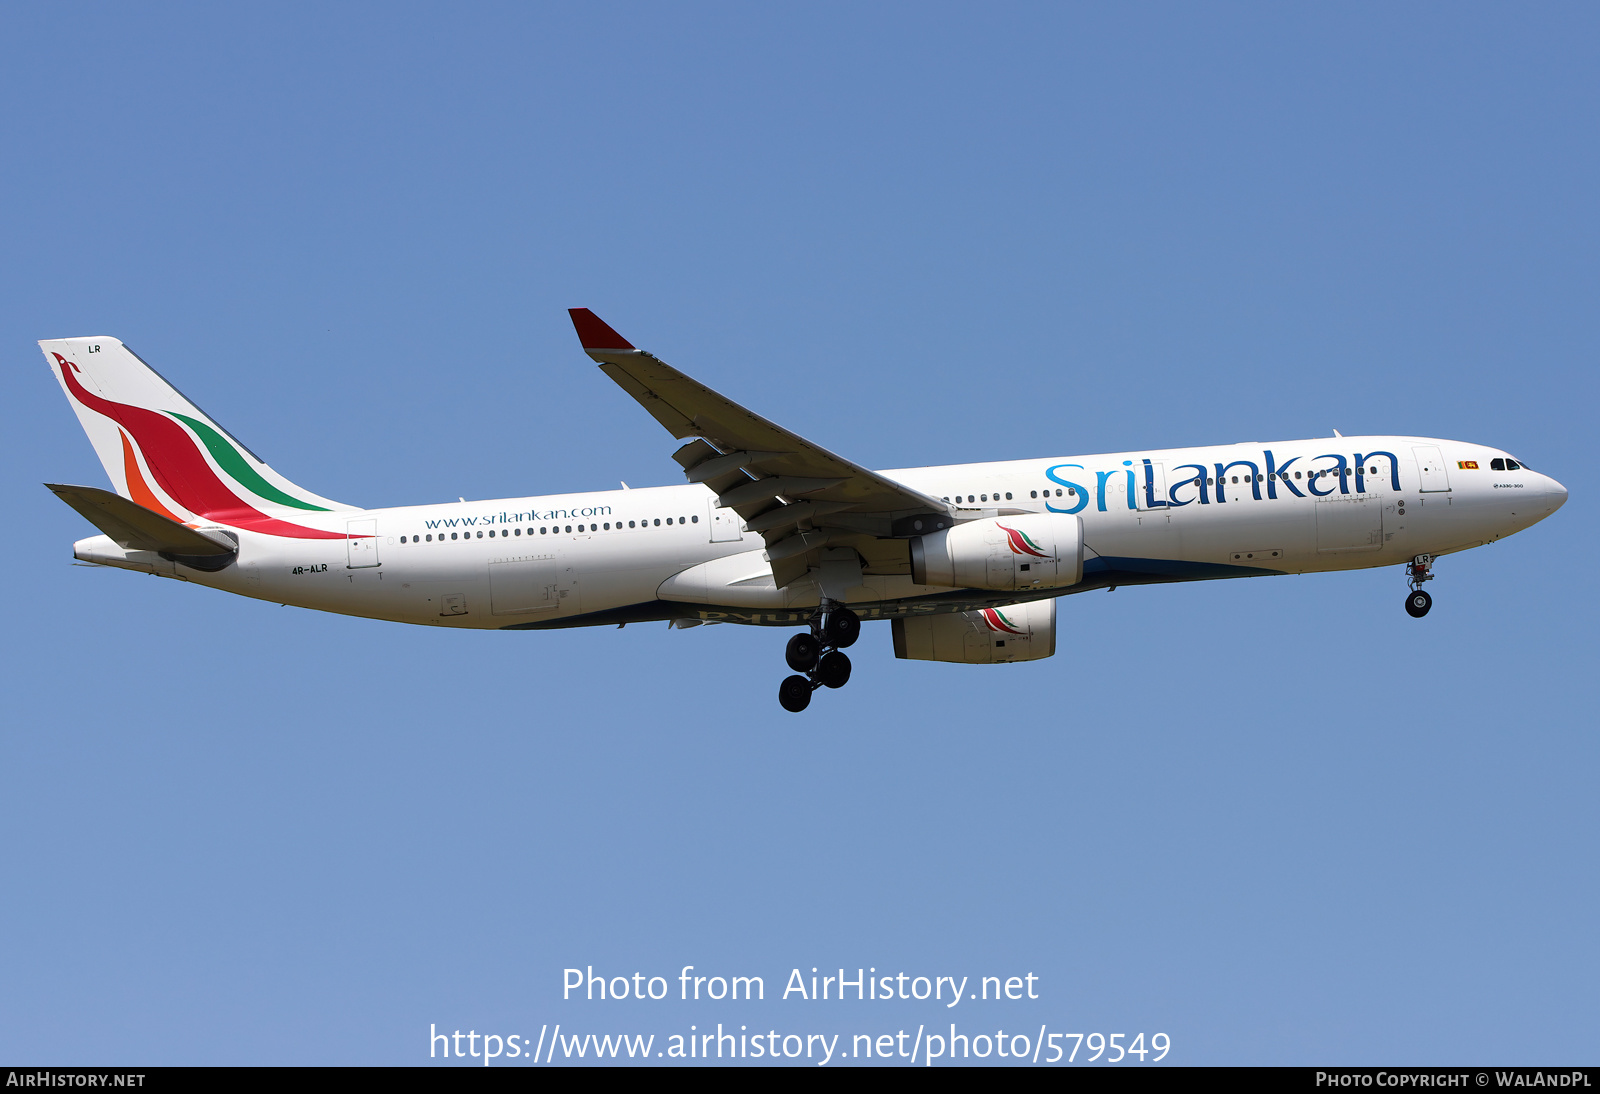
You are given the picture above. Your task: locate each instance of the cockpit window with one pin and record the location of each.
(1506, 465)
(1512, 465)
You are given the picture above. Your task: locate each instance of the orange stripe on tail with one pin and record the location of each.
(138, 489)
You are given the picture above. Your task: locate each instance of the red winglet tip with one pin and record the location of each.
(593, 331)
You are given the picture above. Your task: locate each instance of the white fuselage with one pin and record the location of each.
(621, 556)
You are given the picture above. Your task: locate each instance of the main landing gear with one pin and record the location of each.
(1418, 601)
(819, 654)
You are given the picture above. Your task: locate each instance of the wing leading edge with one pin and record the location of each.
(800, 497)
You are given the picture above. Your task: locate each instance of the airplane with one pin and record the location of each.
(965, 562)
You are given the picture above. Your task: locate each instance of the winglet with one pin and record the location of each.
(594, 333)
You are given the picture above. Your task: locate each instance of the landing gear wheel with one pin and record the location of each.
(802, 652)
(794, 694)
(833, 671)
(1417, 603)
(842, 628)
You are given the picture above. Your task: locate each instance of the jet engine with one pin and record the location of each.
(1016, 632)
(1032, 551)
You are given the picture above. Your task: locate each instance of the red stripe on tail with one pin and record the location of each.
(177, 465)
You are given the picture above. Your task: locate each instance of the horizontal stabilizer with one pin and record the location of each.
(136, 528)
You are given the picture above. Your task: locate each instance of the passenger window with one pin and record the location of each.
(452, 535)
(970, 499)
(1008, 495)
(1033, 493)
(695, 520)
(480, 535)
(983, 497)
(630, 524)
(658, 522)
(1236, 478)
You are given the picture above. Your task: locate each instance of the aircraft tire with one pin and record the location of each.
(833, 671)
(1417, 603)
(802, 652)
(842, 629)
(794, 694)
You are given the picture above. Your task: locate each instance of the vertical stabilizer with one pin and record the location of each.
(166, 454)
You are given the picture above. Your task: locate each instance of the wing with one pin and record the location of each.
(799, 496)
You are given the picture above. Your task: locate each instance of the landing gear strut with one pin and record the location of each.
(819, 656)
(1418, 601)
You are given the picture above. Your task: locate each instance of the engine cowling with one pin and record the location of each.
(1016, 632)
(1032, 551)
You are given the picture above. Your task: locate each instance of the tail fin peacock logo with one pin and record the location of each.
(174, 457)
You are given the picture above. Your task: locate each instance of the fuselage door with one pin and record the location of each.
(1430, 467)
(361, 538)
(1152, 487)
(726, 525)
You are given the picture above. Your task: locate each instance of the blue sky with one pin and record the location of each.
(1277, 820)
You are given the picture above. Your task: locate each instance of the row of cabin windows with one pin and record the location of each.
(1284, 475)
(507, 533)
(1070, 492)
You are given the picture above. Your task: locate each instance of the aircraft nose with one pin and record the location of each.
(1555, 493)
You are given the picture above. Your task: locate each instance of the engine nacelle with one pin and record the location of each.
(1016, 632)
(1032, 551)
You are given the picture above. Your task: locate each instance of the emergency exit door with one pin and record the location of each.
(361, 539)
(1152, 487)
(726, 526)
(1431, 470)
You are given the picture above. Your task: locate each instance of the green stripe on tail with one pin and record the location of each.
(229, 460)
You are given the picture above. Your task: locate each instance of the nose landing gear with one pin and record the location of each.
(819, 655)
(1418, 601)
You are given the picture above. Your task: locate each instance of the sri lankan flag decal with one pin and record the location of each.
(1021, 544)
(998, 622)
(1467, 465)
